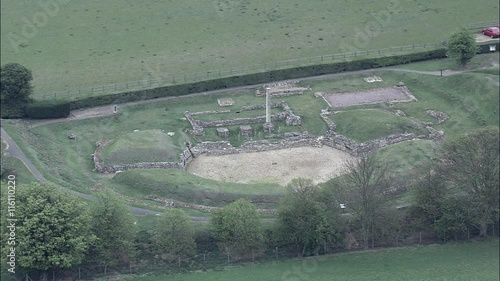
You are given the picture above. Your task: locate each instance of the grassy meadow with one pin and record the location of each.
(470, 100)
(474, 260)
(85, 43)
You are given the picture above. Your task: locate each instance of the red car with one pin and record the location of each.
(492, 31)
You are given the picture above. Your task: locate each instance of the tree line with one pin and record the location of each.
(457, 194)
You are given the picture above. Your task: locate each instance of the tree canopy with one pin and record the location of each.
(15, 84)
(238, 228)
(362, 191)
(174, 234)
(52, 228)
(462, 46)
(471, 164)
(303, 217)
(113, 226)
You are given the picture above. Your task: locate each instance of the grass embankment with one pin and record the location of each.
(186, 187)
(141, 146)
(100, 42)
(454, 261)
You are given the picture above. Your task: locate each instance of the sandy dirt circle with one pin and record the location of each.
(276, 166)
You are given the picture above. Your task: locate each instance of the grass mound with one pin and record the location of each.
(364, 125)
(186, 187)
(141, 146)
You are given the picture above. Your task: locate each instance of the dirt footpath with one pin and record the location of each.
(278, 166)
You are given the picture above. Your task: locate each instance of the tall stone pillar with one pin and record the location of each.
(268, 106)
(268, 126)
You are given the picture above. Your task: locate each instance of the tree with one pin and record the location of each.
(429, 197)
(462, 46)
(15, 84)
(471, 164)
(238, 228)
(113, 226)
(303, 217)
(52, 228)
(175, 234)
(362, 191)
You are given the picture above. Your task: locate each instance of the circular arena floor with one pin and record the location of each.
(275, 166)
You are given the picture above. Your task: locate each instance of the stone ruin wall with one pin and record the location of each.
(99, 166)
(198, 126)
(169, 203)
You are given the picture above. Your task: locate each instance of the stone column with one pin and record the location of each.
(268, 126)
(268, 106)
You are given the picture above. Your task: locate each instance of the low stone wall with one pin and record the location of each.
(99, 166)
(199, 126)
(169, 203)
(97, 156)
(209, 112)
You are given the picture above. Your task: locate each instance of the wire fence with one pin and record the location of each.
(216, 260)
(155, 82)
(481, 25)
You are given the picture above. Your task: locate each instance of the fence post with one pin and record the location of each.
(253, 256)
(276, 252)
(92, 89)
(79, 273)
(420, 237)
(227, 256)
(105, 270)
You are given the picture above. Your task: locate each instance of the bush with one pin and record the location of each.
(48, 109)
(256, 78)
(13, 111)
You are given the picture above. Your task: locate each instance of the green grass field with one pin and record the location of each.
(15, 167)
(81, 44)
(363, 125)
(140, 146)
(454, 261)
(470, 100)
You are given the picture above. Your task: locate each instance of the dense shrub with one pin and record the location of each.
(13, 111)
(48, 109)
(256, 78)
